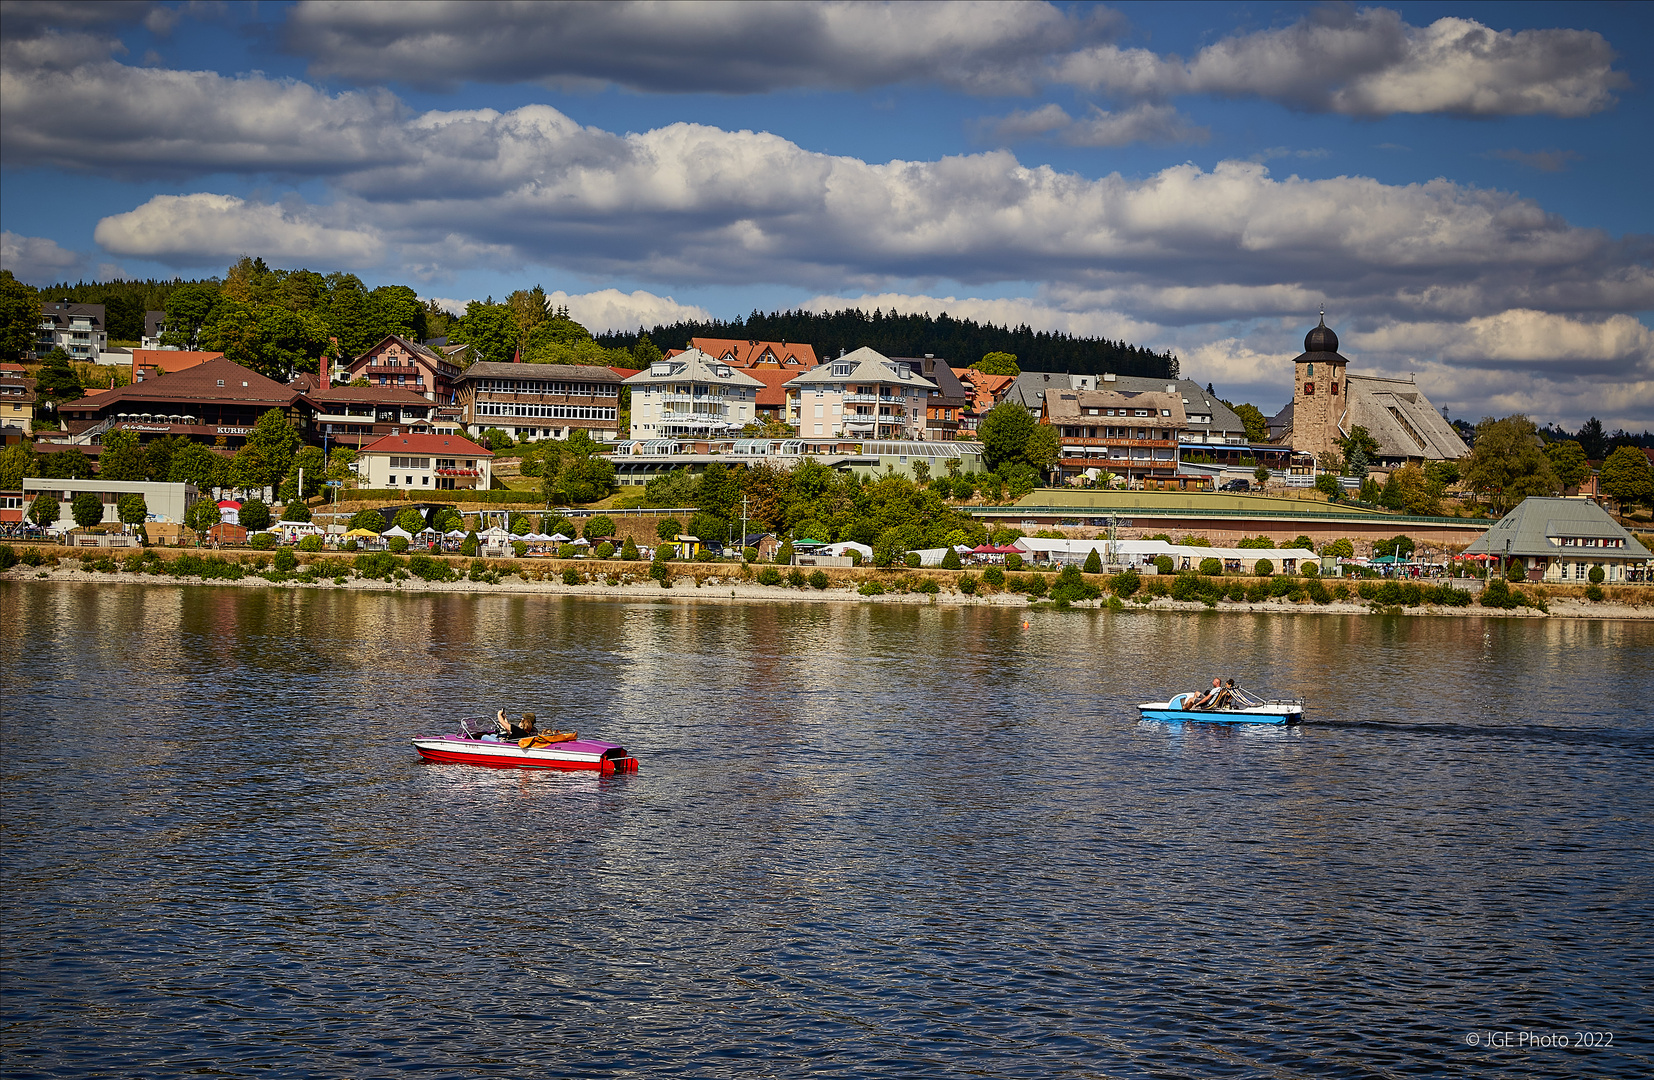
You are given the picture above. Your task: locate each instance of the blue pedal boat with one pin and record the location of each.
(1242, 709)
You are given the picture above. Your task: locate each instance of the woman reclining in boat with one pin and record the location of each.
(510, 730)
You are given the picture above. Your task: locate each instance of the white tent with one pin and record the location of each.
(396, 530)
(428, 531)
(496, 535)
(454, 534)
(846, 547)
(558, 538)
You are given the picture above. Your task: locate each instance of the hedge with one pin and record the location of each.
(396, 495)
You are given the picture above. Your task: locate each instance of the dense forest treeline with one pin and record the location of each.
(962, 342)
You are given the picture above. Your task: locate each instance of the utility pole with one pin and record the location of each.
(743, 520)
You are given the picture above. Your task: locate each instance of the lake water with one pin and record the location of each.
(864, 840)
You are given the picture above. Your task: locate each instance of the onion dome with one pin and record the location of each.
(1321, 339)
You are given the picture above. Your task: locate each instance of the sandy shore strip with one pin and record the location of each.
(716, 588)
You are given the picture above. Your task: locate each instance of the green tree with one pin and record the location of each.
(599, 527)
(295, 511)
(489, 328)
(530, 308)
(1301, 543)
(628, 550)
(16, 462)
(309, 459)
(56, 381)
(1257, 425)
(196, 464)
(44, 511)
(276, 442)
(1044, 447)
(87, 509)
(19, 316)
(69, 464)
(1327, 484)
(396, 309)
(1261, 475)
(1341, 548)
(202, 515)
(998, 363)
(1507, 465)
(667, 529)
(188, 308)
(1004, 433)
(1093, 563)
(410, 520)
(1396, 545)
(950, 561)
(1627, 477)
(889, 548)
(1568, 462)
(254, 515)
(122, 458)
(645, 352)
(371, 520)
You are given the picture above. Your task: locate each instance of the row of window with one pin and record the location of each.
(410, 463)
(1309, 389)
(1591, 541)
(538, 386)
(1125, 412)
(1114, 433)
(553, 412)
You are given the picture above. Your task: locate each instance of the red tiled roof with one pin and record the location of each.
(745, 354)
(772, 396)
(200, 383)
(170, 360)
(425, 444)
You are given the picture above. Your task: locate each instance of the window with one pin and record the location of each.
(1335, 389)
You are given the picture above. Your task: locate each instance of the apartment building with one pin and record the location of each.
(80, 330)
(692, 395)
(405, 364)
(425, 463)
(1128, 433)
(863, 394)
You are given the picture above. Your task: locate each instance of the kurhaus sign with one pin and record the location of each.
(234, 430)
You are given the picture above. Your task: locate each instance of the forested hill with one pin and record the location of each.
(961, 342)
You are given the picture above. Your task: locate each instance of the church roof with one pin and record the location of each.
(1401, 418)
(1320, 345)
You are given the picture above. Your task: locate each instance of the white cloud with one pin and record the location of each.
(608, 309)
(737, 48)
(1370, 62)
(1143, 122)
(36, 259)
(202, 229)
(1140, 123)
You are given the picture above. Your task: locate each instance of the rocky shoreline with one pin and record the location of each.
(715, 588)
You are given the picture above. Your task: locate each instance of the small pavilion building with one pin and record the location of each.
(1562, 539)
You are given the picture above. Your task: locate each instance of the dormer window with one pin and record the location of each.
(220, 382)
(842, 370)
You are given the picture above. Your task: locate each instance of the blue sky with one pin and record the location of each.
(1463, 186)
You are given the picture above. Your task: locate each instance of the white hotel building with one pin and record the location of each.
(861, 395)
(692, 395)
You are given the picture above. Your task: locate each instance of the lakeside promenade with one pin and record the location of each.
(725, 583)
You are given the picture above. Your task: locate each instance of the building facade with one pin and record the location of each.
(215, 400)
(81, 330)
(17, 397)
(864, 395)
(425, 463)
(404, 364)
(946, 405)
(357, 415)
(692, 395)
(539, 401)
(1562, 540)
(163, 501)
(1135, 435)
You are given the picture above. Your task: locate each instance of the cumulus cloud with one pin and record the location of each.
(1141, 123)
(64, 102)
(689, 202)
(36, 259)
(1371, 62)
(734, 48)
(203, 229)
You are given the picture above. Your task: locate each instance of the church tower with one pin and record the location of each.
(1319, 392)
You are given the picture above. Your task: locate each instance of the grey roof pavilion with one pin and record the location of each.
(1561, 539)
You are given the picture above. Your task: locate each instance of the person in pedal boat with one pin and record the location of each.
(1209, 699)
(515, 731)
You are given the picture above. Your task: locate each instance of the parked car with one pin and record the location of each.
(1237, 485)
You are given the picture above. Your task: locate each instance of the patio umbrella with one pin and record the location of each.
(360, 533)
(558, 538)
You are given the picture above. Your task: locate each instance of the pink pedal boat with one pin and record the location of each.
(470, 746)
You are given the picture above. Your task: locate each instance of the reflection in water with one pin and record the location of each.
(864, 840)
